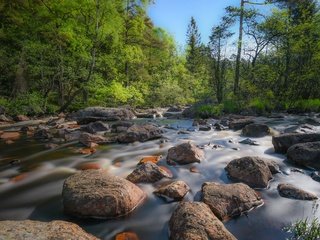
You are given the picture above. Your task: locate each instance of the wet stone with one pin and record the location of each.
(230, 200)
(31, 230)
(195, 221)
(147, 173)
(253, 171)
(185, 153)
(290, 191)
(96, 194)
(173, 190)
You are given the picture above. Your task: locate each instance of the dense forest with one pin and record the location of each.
(64, 55)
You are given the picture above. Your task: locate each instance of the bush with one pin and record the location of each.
(209, 110)
(309, 105)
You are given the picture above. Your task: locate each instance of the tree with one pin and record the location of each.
(217, 44)
(193, 46)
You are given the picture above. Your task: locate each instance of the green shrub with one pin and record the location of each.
(209, 110)
(305, 229)
(309, 105)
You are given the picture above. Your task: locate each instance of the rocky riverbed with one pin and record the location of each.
(117, 176)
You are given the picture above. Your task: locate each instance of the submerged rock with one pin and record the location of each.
(289, 191)
(249, 141)
(96, 194)
(141, 133)
(31, 230)
(195, 221)
(283, 142)
(230, 200)
(253, 171)
(305, 154)
(147, 173)
(93, 114)
(185, 153)
(255, 130)
(173, 190)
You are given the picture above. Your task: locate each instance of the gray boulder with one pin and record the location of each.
(96, 194)
(255, 130)
(305, 154)
(253, 171)
(283, 142)
(141, 133)
(97, 126)
(289, 191)
(35, 230)
(229, 200)
(195, 221)
(237, 124)
(185, 153)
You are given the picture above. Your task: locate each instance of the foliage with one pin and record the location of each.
(209, 110)
(305, 229)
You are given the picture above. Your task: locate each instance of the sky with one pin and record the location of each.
(174, 16)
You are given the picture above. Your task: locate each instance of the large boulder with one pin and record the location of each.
(93, 114)
(305, 154)
(283, 142)
(120, 127)
(237, 124)
(185, 153)
(141, 133)
(229, 200)
(253, 171)
(195, 221)
(96, 194)
(35, 230)
(255, 130)
(174, 190)
(289, 191)
(147, 173)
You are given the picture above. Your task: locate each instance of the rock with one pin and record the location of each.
(204, 128)
(188, 112)
(249, 141)
(96, 194)
(173, 190)
(312, 121)
(153, 159)
(253, 171)
(230, 200)
(2, 110)
(195, 221)
(27, 129)
(88, 139)
(51, 146)
(127, 236)
(282, 142)
(120, 127)
(289, 191)
(42, 133)
(3, 118)
(10, 136)
(305, 154)
(174, 109)
(35, 230)
(185, 153)
(237, 124)
(219, 127)
(173, 115)
(93, 114)
(315, 176)
(95, 127)
(273, 166)
(149, 113)
(71, 136)
(305, 128)
(21, 118)
(255, 130)
(147, 173)
(141, 133)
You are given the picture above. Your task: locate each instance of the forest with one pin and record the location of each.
(60, 56)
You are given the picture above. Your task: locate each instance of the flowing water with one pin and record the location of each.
(36, 194)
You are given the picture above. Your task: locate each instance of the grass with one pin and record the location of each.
(305, 229)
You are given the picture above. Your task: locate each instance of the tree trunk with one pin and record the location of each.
(237, 71)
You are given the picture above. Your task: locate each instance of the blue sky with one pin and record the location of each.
(174, 16)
